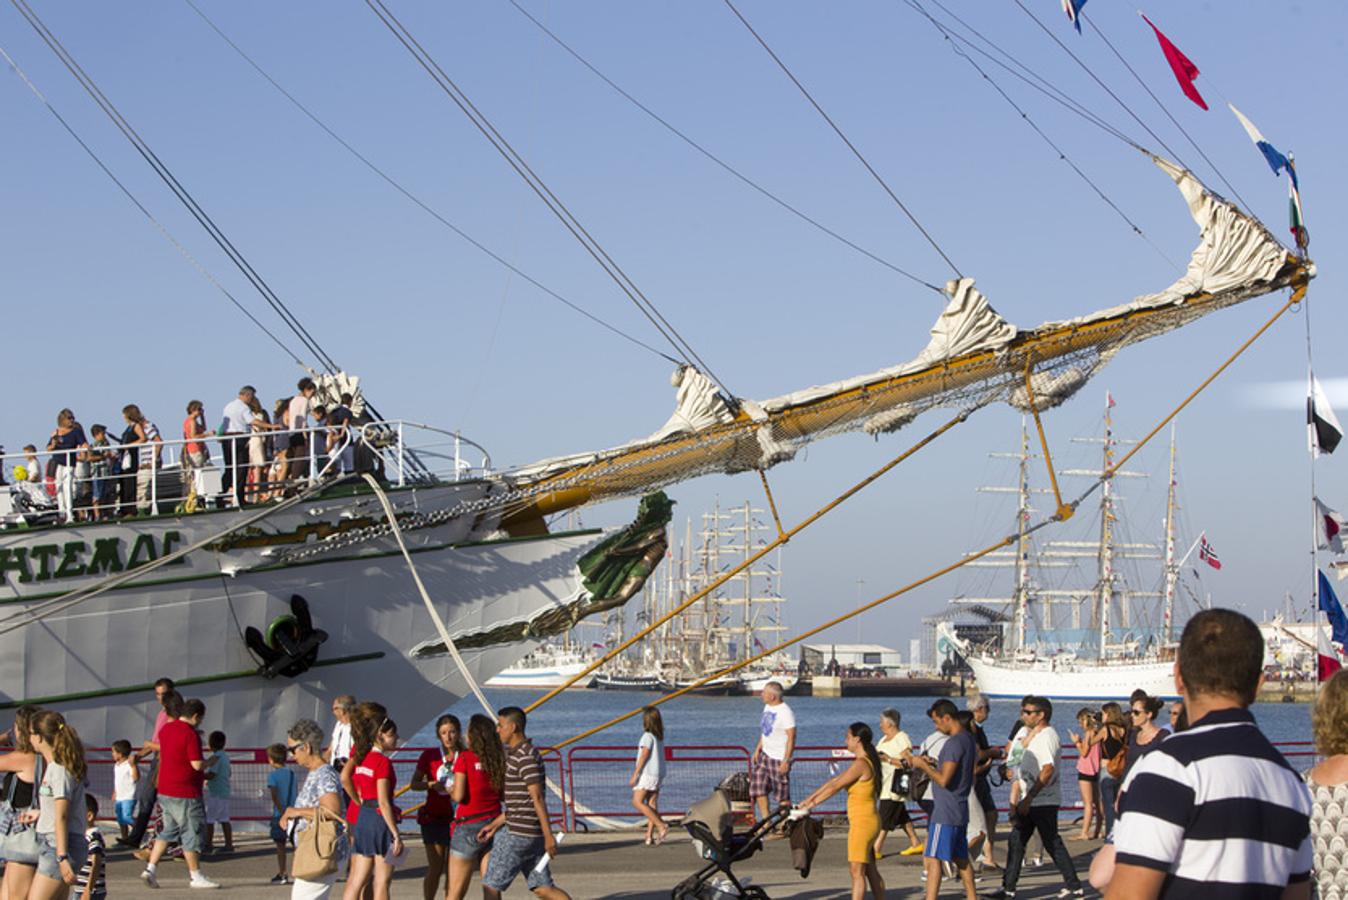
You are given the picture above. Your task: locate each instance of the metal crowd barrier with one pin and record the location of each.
(589, 786)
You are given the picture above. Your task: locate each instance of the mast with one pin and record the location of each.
(1171, 569)
(1022, 542)
(1106, 551)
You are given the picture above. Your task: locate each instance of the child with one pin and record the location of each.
(90, 883)
(217, 793)
(281, 784)
(649, 773)
(125, 774)
(99, 456)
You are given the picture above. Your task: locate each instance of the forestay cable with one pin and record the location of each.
(168, 236)
(540, 188)
(402, 189)
(850, 146)
(683, 136)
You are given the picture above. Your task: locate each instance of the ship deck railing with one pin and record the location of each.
(400, 452)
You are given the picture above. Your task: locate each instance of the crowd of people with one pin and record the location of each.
(1189, 800)
(92, 476)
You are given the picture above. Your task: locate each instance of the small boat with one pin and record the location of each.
(606, 681)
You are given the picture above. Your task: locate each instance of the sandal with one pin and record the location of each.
(660, 836)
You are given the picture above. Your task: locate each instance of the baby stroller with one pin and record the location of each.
(714, 839)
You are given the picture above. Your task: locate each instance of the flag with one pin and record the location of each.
(1073, 10)
(1109, 400)
(1276, 161)
(1323, 426)
(1183, 67)
(1331, 525)
(1327, 658)
(1329, 605)
(1294, 218)
(1207, 554)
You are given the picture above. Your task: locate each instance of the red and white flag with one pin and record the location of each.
(1331, 527)
(1207, 554)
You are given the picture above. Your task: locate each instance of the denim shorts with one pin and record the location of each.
(511, 855)
(76, 847)
(126, 812)
(463, 842)
(183, 821)
(370, 837)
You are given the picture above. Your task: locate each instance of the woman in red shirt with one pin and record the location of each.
(436, 816)
(372, 781)
(479, 776)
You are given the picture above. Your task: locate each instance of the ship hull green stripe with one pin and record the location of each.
(198, 679)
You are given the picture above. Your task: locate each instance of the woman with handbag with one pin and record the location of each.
(18, 841)
(315, 821)
(1112, 736)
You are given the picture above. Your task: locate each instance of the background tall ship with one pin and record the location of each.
(1099, 641)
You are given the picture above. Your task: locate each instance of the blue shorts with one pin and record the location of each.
(77, 848)
(947, 842)
(511, 855)
(278, 834)
(370, 837)
(463, 842)
(126, 812)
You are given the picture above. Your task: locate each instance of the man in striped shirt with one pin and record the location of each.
(518, 847)
(1214, 811)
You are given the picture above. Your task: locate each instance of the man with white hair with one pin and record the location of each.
(770, 765)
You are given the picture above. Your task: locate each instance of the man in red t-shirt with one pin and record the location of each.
(180, 779)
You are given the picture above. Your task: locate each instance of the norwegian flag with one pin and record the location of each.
(1207, 554)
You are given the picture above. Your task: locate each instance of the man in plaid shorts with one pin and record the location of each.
(770, 769)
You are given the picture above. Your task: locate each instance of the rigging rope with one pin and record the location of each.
(716, 159)
(1169, 116)
(540, 188)
(855, 152)
(167, 176)
(426, 597)
(153, 221)
(782, 538)
(1006, 541)
(1062, 154)
(400, 188)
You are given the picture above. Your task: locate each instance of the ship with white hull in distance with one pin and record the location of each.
(547, 667)
(1100, 642)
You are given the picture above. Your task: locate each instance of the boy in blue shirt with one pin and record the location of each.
(281, 786)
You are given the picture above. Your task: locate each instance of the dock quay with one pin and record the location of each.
(877, 686)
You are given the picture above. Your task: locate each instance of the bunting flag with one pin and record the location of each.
(1321, 423)
(1298, 225)
(1331, 527)
(1276, 161)
(1206, 553)
(1073, 10)
(1183, 67)
(1327, 659)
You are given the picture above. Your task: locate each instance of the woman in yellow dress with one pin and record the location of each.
(862, 781)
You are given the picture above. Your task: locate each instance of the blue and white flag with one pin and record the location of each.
(1073, 10)
(1276, 161)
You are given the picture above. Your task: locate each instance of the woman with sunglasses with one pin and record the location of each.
(1146, 734)
(322, 788)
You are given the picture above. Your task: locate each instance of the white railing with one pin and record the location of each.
(399, 452)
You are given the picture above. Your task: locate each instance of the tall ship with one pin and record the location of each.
(1099, 641)
(418, 569)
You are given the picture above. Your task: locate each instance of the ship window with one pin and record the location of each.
(870, 659)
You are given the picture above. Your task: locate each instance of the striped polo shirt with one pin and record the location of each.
(524, 766)
(1219, 810)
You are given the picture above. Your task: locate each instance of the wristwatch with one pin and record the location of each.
(64, 857)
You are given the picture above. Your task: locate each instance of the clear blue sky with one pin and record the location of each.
(101, 311)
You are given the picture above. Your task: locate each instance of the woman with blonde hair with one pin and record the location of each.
(649, 774)
(1088, 772)
(23, 770)
(62, 847)
(1328, 782)
(1112, 736)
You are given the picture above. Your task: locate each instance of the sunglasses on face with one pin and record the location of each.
(1030, 712)
(1138, 712)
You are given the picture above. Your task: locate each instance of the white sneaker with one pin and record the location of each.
(201, 881)
(149, 878)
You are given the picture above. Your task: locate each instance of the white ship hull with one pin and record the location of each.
(754, 683)
(539, 677)
(95, 661)
(1076, 680)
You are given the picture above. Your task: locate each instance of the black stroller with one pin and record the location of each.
(714, 839)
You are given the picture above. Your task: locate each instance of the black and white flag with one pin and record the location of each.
(1323, 425)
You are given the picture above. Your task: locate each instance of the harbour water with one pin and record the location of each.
(699, 721)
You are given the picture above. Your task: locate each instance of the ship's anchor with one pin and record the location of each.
(291, 644)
